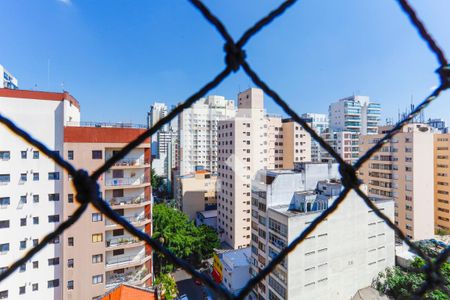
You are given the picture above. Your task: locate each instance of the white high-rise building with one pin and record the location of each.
(157, 112)
(355, 114)
(31, 190)
(344, 253)
(7, 80)
(198, 133)
(318, 122)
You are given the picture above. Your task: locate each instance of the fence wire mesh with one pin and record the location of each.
(87, 188)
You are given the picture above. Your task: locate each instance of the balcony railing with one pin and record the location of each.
(127, 200)
(121, 241)
(135, 219)
(125, 260)
(129, 161)
(126, 181)
(132, 277)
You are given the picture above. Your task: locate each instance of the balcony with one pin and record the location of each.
(138, 277)
(130, 163)
(124, 242)
(128, 202)
(136, 221)
(126, 261)
(131, 182)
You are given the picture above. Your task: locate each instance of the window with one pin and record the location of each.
(35, 264)
(118, 252)
(35, 198)
(35, 154)
(96, 154)
(35, 220)
(23, 222)
(5, 178)
(22, 290)
(53, 283)
(36, 242)
(70, 241)
(97, 237)
(35, 176)
(23, 199)
(53, 261)
(4, 224)
(53, 175)
(22, 268)
(70, 155)
(70, 285)
(23, 177)
(97, 258)
(3, 294)
(4, 201)
(70, 263)
(35, 287)
(5, 155)
(118, 232)
(97, 279)
(23, 154)
(23, 245)
(53, 197)
(97, 217)
(53, 218)
(70, 198)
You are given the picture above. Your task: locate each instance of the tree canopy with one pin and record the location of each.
(178, 234)
(400, 284)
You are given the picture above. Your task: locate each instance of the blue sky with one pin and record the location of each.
(117, 57)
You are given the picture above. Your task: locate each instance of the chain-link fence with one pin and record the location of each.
(87, 188)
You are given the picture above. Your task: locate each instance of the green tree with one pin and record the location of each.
(179, 235)
(167, 286)
(156, 181)
(399, 283)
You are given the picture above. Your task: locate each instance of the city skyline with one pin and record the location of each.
(144, 71)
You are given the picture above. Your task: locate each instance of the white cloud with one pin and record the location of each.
(66, 2)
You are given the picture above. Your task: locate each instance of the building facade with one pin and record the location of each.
(36, 196)
(355, 114)
(403, 169)
(442, 182)
(196, 192)
(243, 144)
(296, 144)
(318, 122)
(31, 191)
(7, 80)
(345, 143)
(198, 133)
(98, 254)
(344, 253)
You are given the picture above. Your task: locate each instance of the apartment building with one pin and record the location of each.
(196, 192)
(355, 114)
(345, 143)
(243, 144)
(198, 133)
(341, 256)
(442, 182)
(36, 196)
(31, 191)
(7, 80)
(97, 254)
(403, 169)
(318, 122)
(296, 144)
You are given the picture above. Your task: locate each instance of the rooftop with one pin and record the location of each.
(208, 213)
(106, 125)
(39, 95)
(239, 257)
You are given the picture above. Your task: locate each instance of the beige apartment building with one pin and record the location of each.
(403, 169)
(251, 141)
(196, 192)
(296, 144)
(442, 182)
(97, 254)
